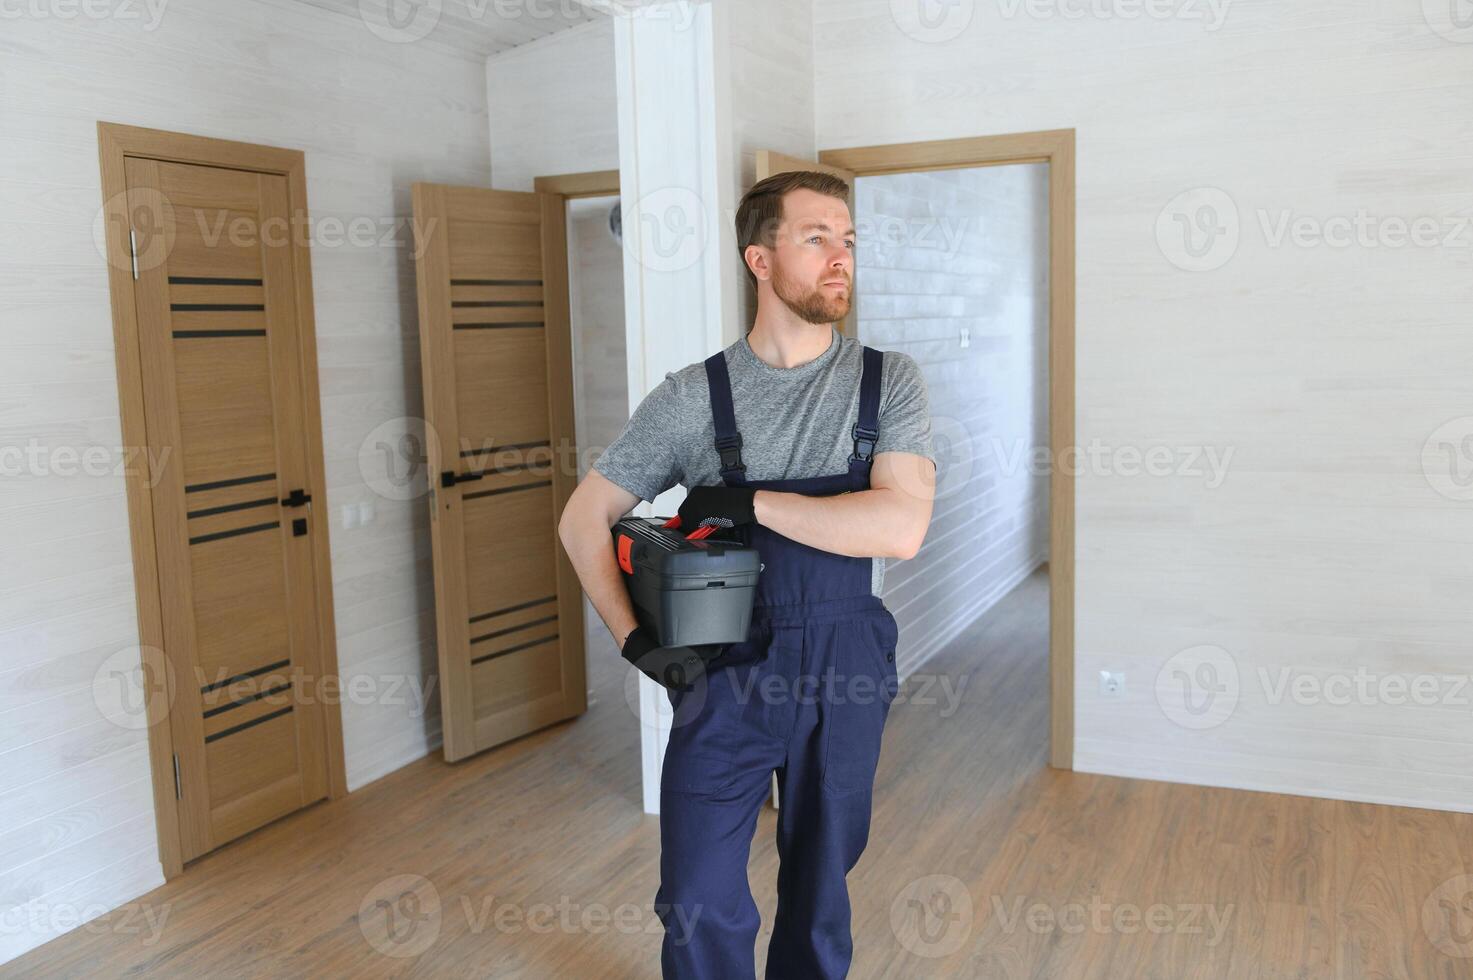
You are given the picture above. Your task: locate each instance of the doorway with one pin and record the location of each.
(1054, 151)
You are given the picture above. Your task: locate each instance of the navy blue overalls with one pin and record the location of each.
(807, 695)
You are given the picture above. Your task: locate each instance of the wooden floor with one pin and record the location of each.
(534, 860)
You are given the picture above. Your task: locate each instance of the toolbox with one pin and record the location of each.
(687, 590)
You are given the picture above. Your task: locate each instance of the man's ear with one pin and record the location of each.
(757, 261)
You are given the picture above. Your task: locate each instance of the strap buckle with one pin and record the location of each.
(730, 449)
(864, 443)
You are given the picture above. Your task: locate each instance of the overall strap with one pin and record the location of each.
(728, 439)
(867, 429)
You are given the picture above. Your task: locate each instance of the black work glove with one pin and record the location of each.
(722, 506)
(677, 668)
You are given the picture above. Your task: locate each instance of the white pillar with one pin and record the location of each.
(675, 176)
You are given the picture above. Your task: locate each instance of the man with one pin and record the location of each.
(817, 451)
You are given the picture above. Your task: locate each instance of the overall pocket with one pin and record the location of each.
(705, 731)
(858, 700)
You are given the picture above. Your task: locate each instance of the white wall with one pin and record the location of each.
(76, 816)
(952, 269)
(553, 108)
(1324, 370)
(763, 55)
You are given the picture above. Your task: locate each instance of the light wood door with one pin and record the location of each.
(217, 312)
(496, 357)
(771, 162)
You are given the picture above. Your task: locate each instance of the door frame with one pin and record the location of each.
(115, 142)
(1056, 148)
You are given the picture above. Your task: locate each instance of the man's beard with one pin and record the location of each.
(812, 305)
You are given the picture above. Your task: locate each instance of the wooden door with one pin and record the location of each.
(216, 302)
(771, 162)
(496, 358)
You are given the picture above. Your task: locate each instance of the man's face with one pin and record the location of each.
(813, 260)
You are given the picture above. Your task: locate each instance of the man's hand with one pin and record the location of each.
(677, 668)
(723, 506)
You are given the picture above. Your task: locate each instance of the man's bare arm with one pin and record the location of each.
(889, 520)
(593, 508)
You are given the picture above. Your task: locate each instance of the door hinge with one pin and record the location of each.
(133, 250)
(178, 789)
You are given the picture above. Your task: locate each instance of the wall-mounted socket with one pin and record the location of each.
(966, 336)
(1112, 684)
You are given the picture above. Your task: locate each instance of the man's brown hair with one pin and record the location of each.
(761, 209)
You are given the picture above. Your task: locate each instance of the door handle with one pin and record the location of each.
(450, 479)
(297, 498)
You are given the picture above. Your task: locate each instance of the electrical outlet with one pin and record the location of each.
(350, 516)
(1112, 683)
(966, 336)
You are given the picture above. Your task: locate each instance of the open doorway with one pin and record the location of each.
(1009, 454)
(600, 358)
(953, 269)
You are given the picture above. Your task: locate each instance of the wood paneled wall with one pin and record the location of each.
(76, 820)
(1325, 549)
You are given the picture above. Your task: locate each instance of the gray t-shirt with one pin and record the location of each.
(795, 422)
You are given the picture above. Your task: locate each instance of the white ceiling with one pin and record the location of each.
(479, 27)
